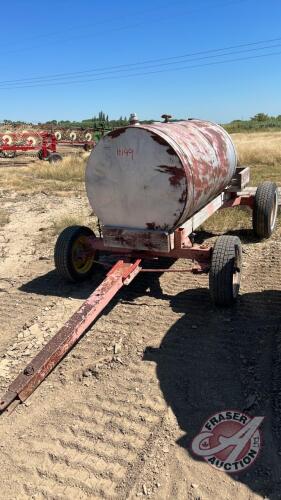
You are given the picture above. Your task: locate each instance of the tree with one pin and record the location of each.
(260, 117)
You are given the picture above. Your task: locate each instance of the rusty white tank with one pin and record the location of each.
(157, 176)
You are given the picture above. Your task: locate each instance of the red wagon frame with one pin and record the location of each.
(131, 248)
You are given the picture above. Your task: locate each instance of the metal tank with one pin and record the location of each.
(157, 176)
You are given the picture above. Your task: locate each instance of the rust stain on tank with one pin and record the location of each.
(183, 196)
(163, 142)
(117, 132)
(199, 160)
(159, 140)
(171, 151)
(176, 173)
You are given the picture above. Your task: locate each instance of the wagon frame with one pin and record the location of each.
(77, 251)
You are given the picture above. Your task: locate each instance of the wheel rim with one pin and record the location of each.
(236, 277)
(82, 260)
(274, 212)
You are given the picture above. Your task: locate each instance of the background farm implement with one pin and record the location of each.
(41, 144)
(78, 137)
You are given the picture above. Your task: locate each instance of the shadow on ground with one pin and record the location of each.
(53, 285)
(213, 360)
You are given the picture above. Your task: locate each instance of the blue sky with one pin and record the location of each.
(48, 40)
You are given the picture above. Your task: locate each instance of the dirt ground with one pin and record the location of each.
(115, 419)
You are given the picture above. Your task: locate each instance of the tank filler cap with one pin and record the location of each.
(133, 120)
(166, 118)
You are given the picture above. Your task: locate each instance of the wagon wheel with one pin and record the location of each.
(87, 146)
(225, 271)
(265, 209)
(9, 154)
(54, 158)
(74, 257)
(40, 155)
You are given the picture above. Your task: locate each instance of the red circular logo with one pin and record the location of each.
(229, 441)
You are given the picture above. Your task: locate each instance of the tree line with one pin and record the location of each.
(259, 121)
(102, 121)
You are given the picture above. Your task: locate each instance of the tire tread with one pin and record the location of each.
(62, 252)
(221, 271)
(263, 207)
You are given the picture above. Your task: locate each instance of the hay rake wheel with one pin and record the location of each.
(73, 136)
(7, 139)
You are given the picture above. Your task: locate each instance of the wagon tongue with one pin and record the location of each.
(53, 352)
(7, 400)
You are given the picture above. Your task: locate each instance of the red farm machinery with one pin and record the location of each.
(42, 144)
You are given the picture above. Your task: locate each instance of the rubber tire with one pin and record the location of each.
(54, 158)
(9, 154)
(87, 147)
(221, 271)
(40, 155)
(63, 253)
(264, 204)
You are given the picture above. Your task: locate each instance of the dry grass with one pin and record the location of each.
(83, 218)
(4, 217)
(263, 148)
(67, 175)
(232, 219)
(66, 221)
(262, 152)
(70, 168)
(228, 219)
